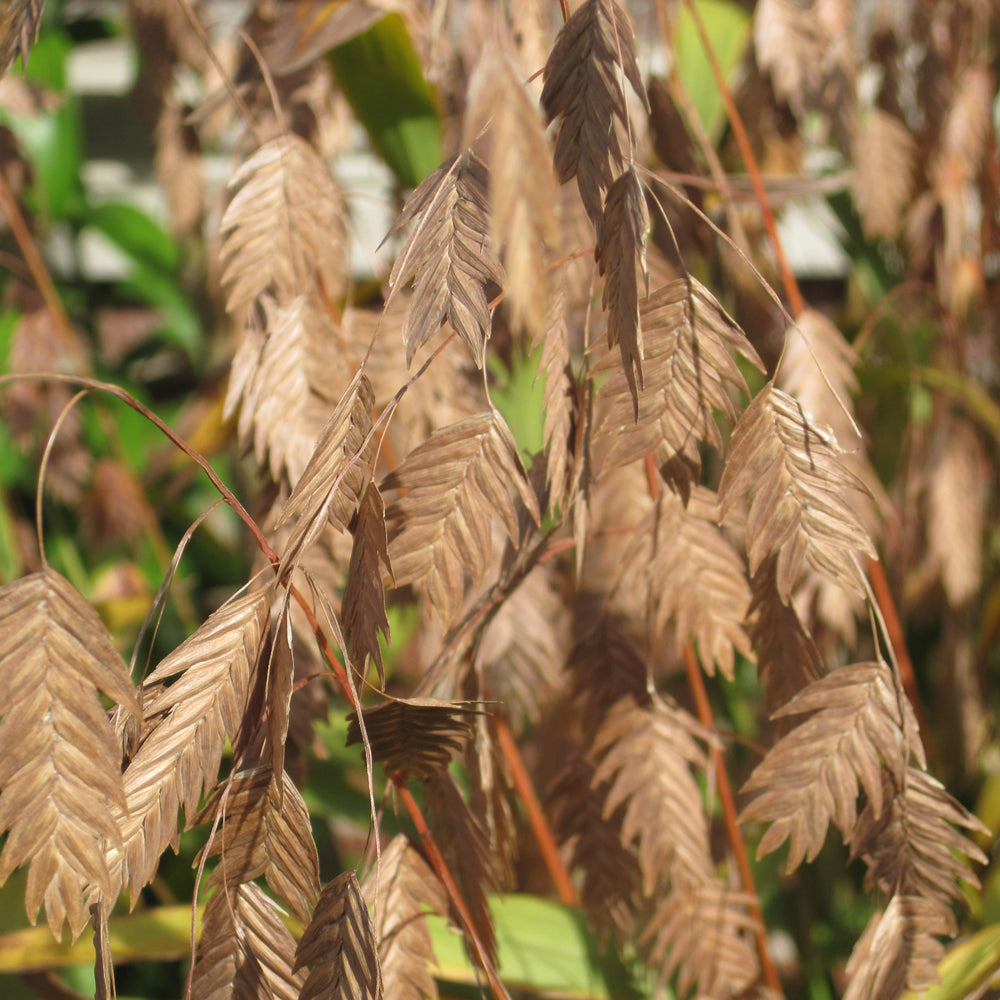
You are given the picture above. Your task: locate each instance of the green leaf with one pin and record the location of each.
(728, 27)
(379, 73)
(967, 968)
(52, 142)
(135, 233)
(543, 947)
(520, 398)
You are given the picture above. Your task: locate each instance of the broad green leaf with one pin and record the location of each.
(543, 947)
(520, 398)
(159, 934)
(52, 141)
(728, 28)
(379, 73)
(135, 233)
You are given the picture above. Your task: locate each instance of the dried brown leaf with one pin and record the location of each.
(416, 737)
(466, 851)
(694, 578)
(898, 951)
(524, 195)
(339, 944)
(188, 721)
(584, 87)
(334, 481)
(812, 776)
(18, 30)
(284, 229)
(454, 486)
(60, 772)
(689, 371)
(264, 830)
(448, 257)
(245, 951)
(621, 257)
(363, 614)
(803, 503)
(648, 756)
(402, 889)
(285, 381)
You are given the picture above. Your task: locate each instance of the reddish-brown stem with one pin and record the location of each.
(880, 585)
(795, 301)
(698, 692)
(437, 862)
(539, 824)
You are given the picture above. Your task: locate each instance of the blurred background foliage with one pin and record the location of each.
(135, 300)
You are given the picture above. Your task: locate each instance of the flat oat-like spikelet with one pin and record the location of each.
(363, 614)
(524, 195)
(811, 776)
(647, 756)
(465, 847)
(416, 737)
(802, 508)
(898, 951)
(787, 657)
(401, 890)
(334, 481)
(884, 154)
(593, 54)
(448, 256)
(555, 366)
(285, 380)
(340, 946)
(610, 888)
(18, 30)
(915, 846)
(245, 951)
(702, 931)
(264, 830)
(621, 257)
(689, 372)
(522, 649)
(284, 229)
(452, 489)
(60, 766)
(694, 577)
(956, 504)
(188, 722)
(817, 370)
